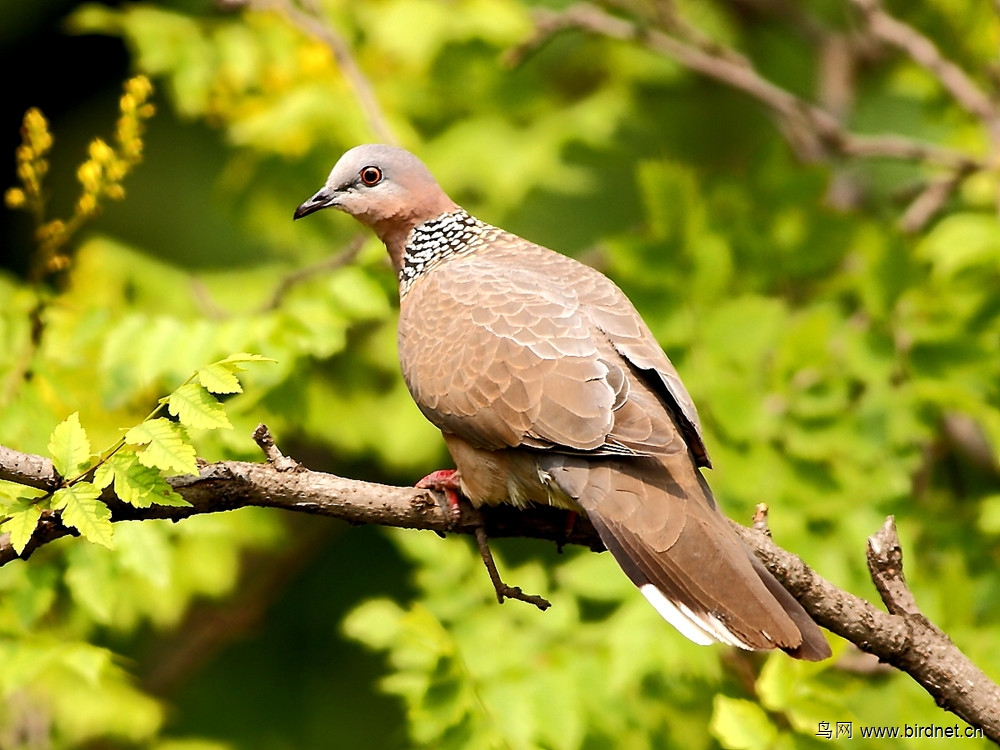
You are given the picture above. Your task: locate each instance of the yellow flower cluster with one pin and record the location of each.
(100, 175)
(103, 172)
(31, 162)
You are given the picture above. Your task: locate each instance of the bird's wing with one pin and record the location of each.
(506, 352)
(613, 314)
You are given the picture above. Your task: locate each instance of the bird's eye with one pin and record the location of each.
(370, 176)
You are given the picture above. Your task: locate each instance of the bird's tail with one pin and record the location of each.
(658, 519)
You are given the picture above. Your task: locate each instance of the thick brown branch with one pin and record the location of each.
(903, 638)
(27, 470)
(281, 483)
(907, 640)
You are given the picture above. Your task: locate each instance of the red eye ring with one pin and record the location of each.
(370, 176)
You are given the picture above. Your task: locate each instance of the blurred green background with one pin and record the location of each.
(845, 369)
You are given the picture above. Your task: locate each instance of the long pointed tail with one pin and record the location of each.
(658, 519)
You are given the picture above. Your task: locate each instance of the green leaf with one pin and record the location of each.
(84, 512)
(167, 446)
(196, 407)
(143, 549)
(240, 358)
(989, 514)
(69, 446)
(219, 378)
(191, 744)
(21, 524)
(961, 242)
(142, 486)
(104, 475)
(165, 495)
(741, 725)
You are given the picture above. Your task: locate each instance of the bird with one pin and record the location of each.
(549, 388)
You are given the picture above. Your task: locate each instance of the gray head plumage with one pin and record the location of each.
(384, 187)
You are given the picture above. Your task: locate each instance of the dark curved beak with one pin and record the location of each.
(325, 198)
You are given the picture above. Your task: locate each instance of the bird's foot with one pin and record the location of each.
(446, 481)
(504, 591)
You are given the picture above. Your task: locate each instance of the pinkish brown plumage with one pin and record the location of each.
(549, 388)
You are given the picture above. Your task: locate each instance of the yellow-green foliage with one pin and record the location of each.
(843, 369)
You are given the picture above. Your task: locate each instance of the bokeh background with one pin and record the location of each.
(835, 315)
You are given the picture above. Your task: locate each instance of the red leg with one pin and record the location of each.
(571, 516)
(446, 481)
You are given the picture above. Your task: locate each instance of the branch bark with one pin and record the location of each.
(902, 637)
(925, 53)
(811, 130)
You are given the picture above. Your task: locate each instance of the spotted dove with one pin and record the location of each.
(549, 388)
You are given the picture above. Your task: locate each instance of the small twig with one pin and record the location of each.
(262, 436)
(760, 519)
(885, 563)
(810, 129)
(929, 202)
(308, 16)
(926, 54)
(671, 21)
(908, 641)
(203, 298)
(344, 258)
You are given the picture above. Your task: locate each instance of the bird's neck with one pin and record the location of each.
(396, 223)
(452, 234)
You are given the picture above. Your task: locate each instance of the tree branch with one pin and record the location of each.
(926, 54)
(285, 285)
(812, 131)
(308, 17)
(902, 637)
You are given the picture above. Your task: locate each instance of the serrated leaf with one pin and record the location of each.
(21, 525)
(167, 447)
(142, 486)
(84, 512)
(196, 407)
(69, 446)
(219, 378)
(165, 495)
(235, 360)
(104, 475)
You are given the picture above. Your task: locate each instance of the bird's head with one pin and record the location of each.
(385, 188)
